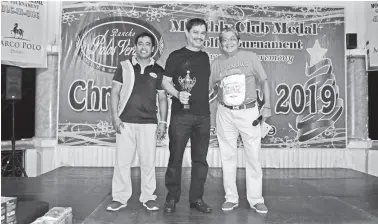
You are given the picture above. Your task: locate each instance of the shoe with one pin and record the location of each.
(115, 206)
(228, 206)
(170, 206)
(151, 205)
(201, 206)
(260, 208)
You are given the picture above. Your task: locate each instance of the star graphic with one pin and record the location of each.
(316, 52)
(338, 22)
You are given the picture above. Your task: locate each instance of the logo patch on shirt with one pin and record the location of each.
(233, 88)
(153, 75)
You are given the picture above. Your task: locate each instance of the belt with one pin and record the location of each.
(240, 107)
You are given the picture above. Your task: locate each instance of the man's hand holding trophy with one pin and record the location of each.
(186, 84)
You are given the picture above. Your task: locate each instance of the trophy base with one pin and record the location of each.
(185, 106)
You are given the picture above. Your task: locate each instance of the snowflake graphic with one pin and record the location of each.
(133, 13)
(261, 8)
(311, 9)
(205, 8)
(69, 18)
(106, 9)
(288, 18)
(225, 11)
(104, 128)
(153, 14)
(235, 13)
(254, 8)
(121, 11)
(338, 22)
(171, 5)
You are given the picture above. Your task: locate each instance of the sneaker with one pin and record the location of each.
(260, 208)
(115, 206)
(151, 205)
(228, 206)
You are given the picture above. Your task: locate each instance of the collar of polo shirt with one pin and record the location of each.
(134, 61)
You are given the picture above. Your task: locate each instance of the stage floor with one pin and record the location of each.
(292, 196)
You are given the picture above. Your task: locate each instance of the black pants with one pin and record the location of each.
(183, 126)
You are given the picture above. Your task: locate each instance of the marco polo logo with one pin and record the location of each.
(17, 41)
(106, 42)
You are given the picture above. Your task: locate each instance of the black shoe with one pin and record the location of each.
(170, 206)
(201, 206)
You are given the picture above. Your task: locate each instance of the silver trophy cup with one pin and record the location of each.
(186, 84)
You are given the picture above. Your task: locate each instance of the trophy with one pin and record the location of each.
(186, 84)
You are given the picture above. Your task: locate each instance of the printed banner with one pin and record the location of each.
(372, 35)
(23, 33)
(302, 50)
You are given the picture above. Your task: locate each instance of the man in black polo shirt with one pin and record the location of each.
(193, 123)
(134, 113)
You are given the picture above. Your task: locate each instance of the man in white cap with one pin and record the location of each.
(235, 75)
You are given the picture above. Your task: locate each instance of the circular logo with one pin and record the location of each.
(103, 44)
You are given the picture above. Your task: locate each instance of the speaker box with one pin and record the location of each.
(351, 40)
(6, 165)
(13, 83)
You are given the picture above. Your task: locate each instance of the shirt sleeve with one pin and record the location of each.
(257, 66)
(118, 75)
(214, 73)
(159, 80)
(169, 67)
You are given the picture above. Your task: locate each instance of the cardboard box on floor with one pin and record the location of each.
(8, 210)
(56, 215)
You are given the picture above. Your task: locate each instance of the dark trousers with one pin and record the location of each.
(182, 126)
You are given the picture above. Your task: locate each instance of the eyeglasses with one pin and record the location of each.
(231, 40)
